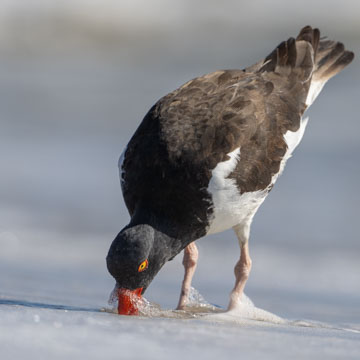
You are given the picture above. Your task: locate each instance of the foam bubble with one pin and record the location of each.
(245, 311)
(199, 307)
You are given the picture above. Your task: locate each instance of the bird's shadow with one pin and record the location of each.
(40, 305)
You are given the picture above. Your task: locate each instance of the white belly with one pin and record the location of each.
(230, 208)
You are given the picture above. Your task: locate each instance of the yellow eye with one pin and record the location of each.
(143, 266)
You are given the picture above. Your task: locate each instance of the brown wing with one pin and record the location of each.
(211, 116)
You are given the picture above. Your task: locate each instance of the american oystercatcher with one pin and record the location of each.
(206, 156)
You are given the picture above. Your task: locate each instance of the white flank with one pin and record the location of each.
(292, 139)
(314, 91)
(230, 208)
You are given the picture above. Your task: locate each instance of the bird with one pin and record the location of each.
(205, 157)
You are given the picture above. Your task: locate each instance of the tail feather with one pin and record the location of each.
(330, 59)
(345, 59)
(310, 35)
(311, 59)
(294, 55)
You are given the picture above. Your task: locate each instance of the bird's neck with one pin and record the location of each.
(173, 236)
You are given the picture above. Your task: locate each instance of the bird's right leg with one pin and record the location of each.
(242, 267)
(191, 256)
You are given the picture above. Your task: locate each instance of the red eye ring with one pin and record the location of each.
(143, 266)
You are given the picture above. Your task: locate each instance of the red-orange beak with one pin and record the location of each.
(129, 301)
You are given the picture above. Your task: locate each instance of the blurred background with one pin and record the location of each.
(76, 79)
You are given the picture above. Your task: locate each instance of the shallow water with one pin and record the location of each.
(198, 308)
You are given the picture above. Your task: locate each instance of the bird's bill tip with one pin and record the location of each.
(129, 301)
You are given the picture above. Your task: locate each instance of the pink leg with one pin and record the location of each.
(191, 255)
(242, 268)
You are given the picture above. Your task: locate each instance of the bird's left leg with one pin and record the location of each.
(191, 256)
(242, 267)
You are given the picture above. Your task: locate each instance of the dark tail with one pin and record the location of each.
(313, 60)
(294, 55)
(330, 59)
(316, 56)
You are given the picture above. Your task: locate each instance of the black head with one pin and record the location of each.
(135, 257)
